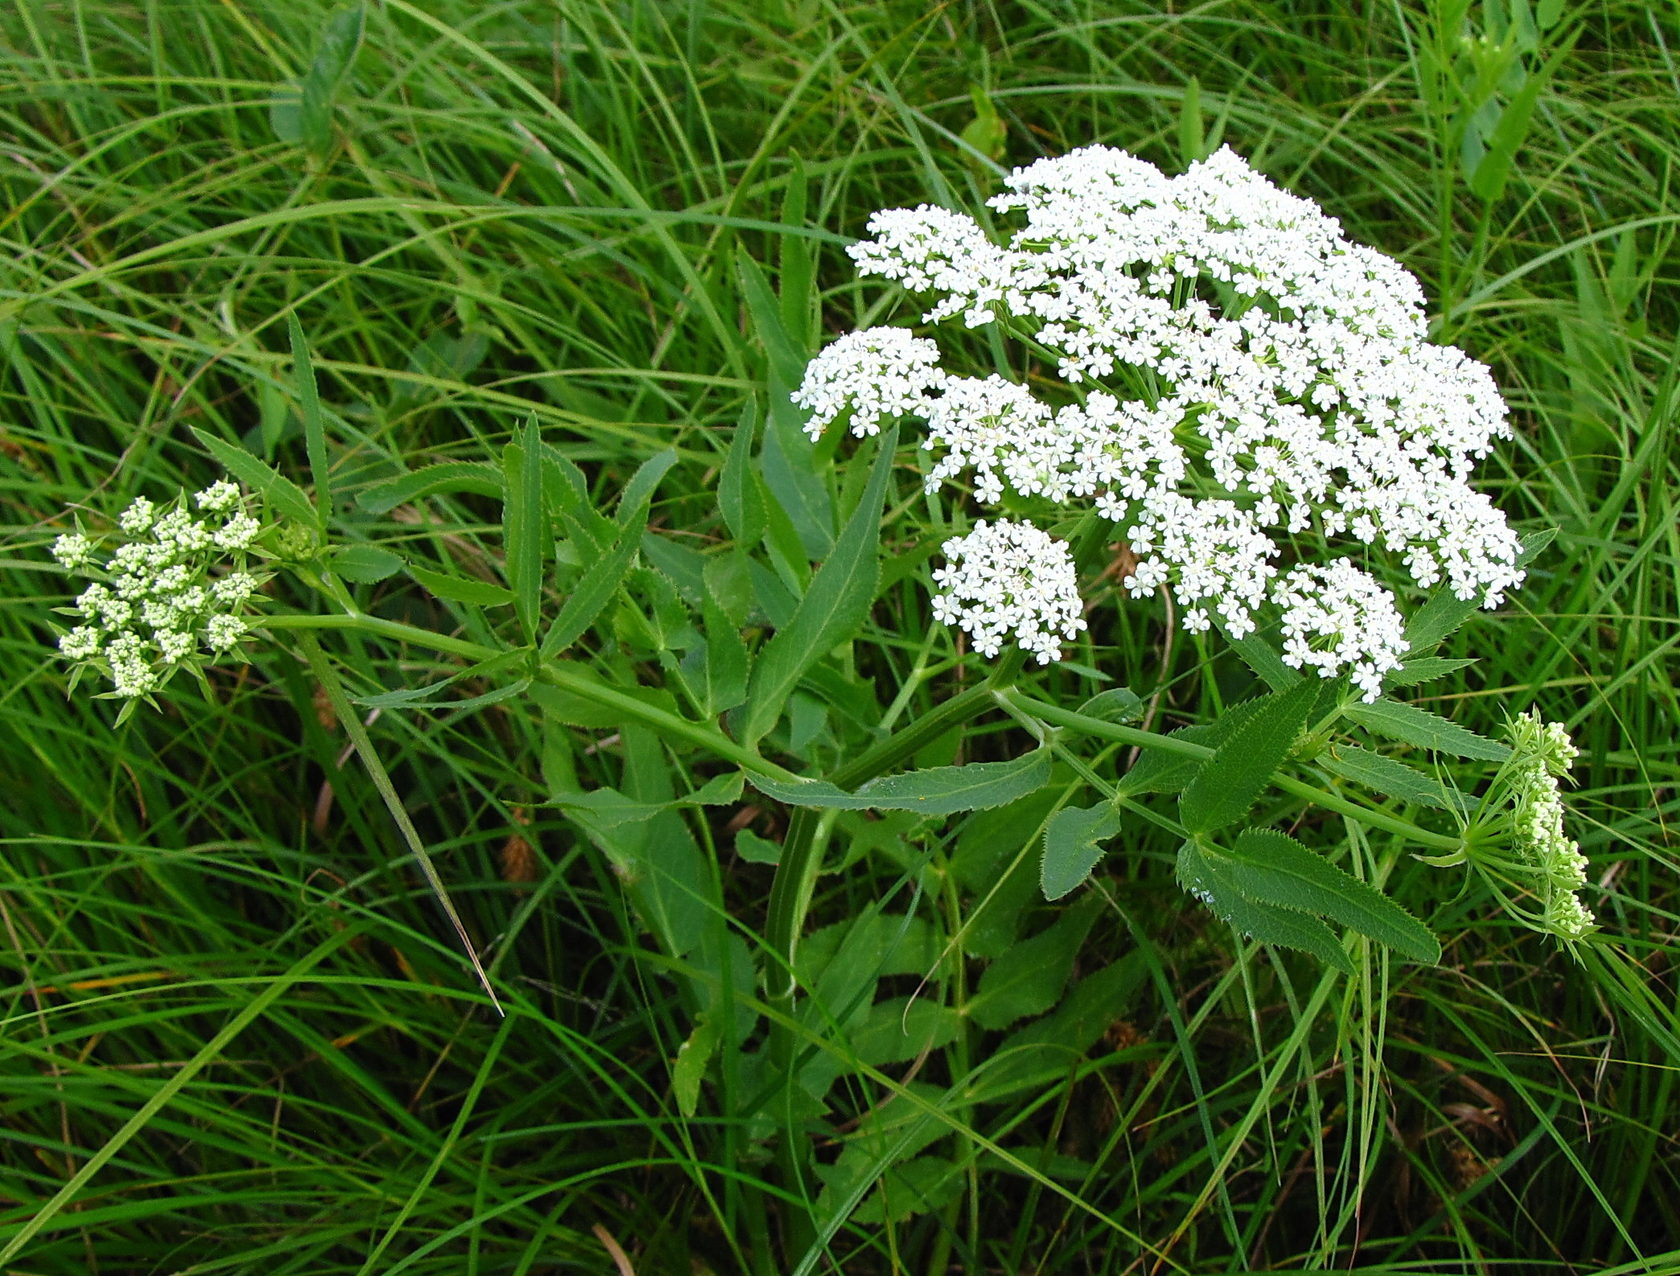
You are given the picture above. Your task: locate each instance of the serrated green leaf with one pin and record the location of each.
(589, 529)
(283, 495)
(787, 360)
(1073, 841)
(1424, 669)
(597, 587)
(1209, 881)
(637, 495)
(1227, 784)
(477, 477)
(728, 585)
(460, 589)
(834, 607)
(524, 525)
(722, 662)
(1389, 776)
(939, 790)
(364, 564)
(1269, 867)
(609, 808)
(1260, 656)
(1029, 978)
(1411, 725)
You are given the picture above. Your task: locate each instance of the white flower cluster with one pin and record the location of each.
(158, 596)
(1264, 384)
(1551, 862)
(1010, 581)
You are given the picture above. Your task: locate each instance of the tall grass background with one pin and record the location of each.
(239, 1036)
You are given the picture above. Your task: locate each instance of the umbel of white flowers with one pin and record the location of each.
(1207, 363)
(174, 585)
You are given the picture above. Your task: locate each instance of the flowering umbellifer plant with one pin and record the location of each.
(1206, 366)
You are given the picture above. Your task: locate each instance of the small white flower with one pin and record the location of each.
(234, 588)
(238, 533)
(173, 645)
(876, 372)
(131, 671)
(137, 517)
(218, 497)
(1337, 618)
(80, 643)
(191, 601)
(157, 615)
(72, 550)
(223, 631)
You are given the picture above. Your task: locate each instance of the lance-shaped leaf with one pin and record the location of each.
(1423, 669)
(1073, 840)
(282, 495)
(1391, 776)
(939, 790)
(478, 477)
(1411, 725)
(364, 564)
(1226, 785)
(460, 589)
(833, 609)
(1272, 868)
(595, 589)
(1209, 880)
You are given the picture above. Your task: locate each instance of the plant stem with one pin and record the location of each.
(1325, 798)
(790, 892)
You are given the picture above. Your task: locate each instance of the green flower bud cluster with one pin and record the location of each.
(1518, 846)
(1542, 756)
(170, 594)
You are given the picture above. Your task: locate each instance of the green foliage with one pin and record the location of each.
(1073, 844)
(942, 790)
(1227, 784)
(497, 309)
(832, 609)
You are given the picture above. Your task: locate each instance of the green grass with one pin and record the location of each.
(240, 1035)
